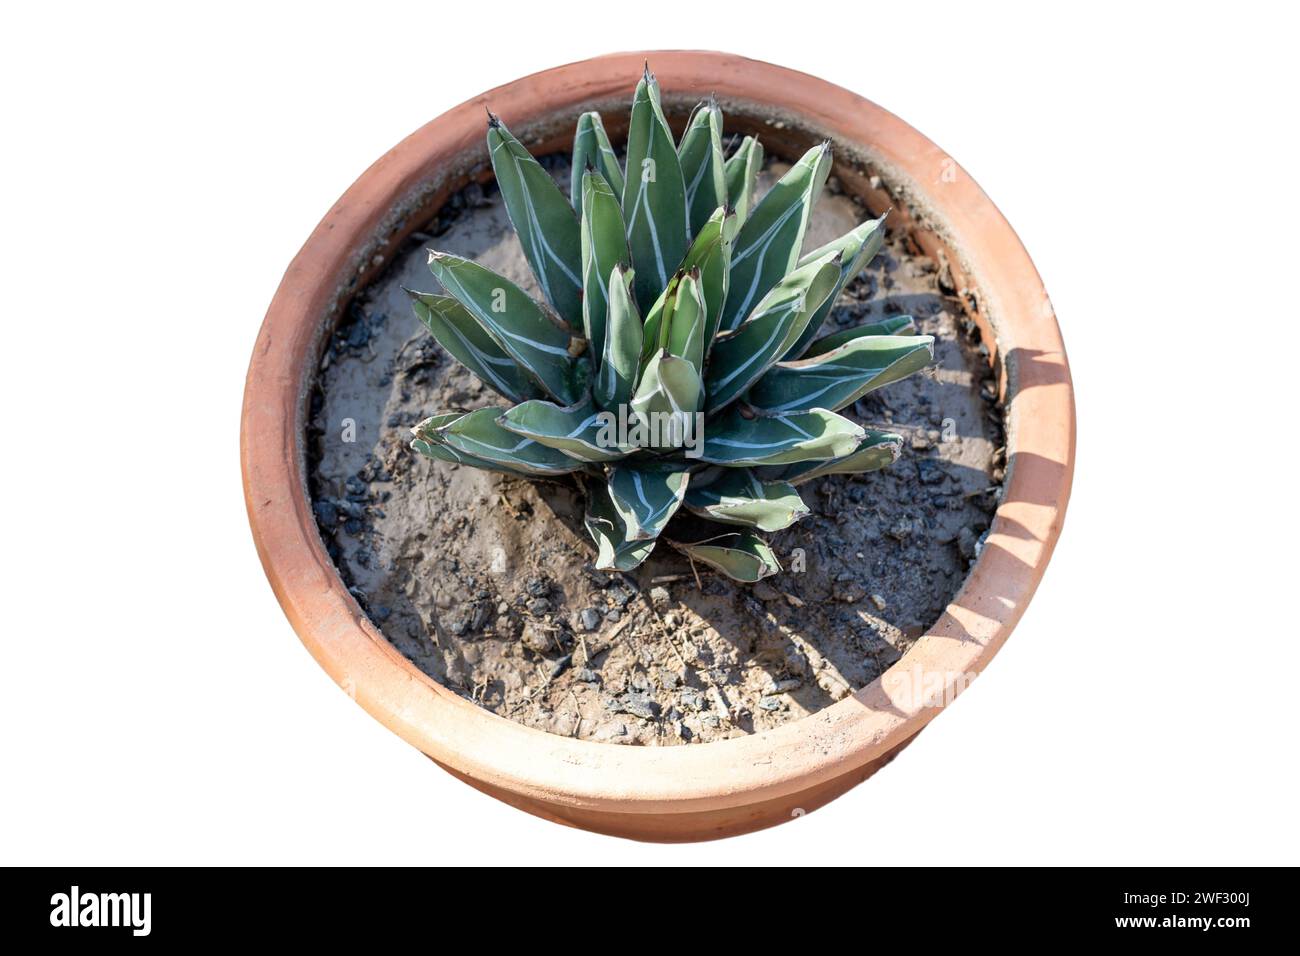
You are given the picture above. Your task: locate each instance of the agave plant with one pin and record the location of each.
(672, 298)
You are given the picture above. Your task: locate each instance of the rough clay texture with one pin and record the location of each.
(485, 582)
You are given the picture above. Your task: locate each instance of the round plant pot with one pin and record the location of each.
(708, 790)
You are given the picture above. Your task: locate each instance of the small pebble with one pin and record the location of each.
(636, 704)
(691, 699)
(966, 540)
(850, 592)
(535, 639)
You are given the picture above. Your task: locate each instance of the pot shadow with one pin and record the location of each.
(815, 628)
(1007, 581)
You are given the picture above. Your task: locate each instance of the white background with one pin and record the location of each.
(160, 169)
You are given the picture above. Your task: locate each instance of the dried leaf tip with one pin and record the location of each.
(494, 121)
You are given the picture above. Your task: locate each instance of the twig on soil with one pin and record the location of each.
(577, 712)
(663, 629)
(618, 629)
(694, 571)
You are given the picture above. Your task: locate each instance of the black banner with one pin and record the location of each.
(1175, 906)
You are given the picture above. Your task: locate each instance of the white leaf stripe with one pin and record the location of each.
(760, 269)
(512, 384)
(536, 237)
(643, 203)
(876, 450)
(577, 439)
(654, 206)
(762, 353)
(810, 398)
(847, 373)
(774, 439)
(777, 225)
(478, 433)
(693, 186)
(632, 492)
(467, 299)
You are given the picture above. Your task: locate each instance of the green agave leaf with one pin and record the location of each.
(615, 551)
(449, 454)
(646, 496)
(579, 431)
(457, 331)
(841, 376)
(856, 248)
(767, 246)
(428, 429)
(686, 325)
(743, 556)
(669, 386)
(429, 443)
(591, 150)
(876, 450)
(736, 496)
(710, 253)
(741, 171)
(543, 219)
(514, 320)
(739, 359)
(654, 195)
(604, 246)
(478, 433)
(621, 360)
(654, 337)
(735, 440)
(700, 154)
(895, 325)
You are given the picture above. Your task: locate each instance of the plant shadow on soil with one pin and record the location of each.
(485, 582)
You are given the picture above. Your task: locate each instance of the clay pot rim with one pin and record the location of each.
(499, 754)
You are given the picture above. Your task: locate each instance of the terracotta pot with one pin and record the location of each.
(683, 792)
